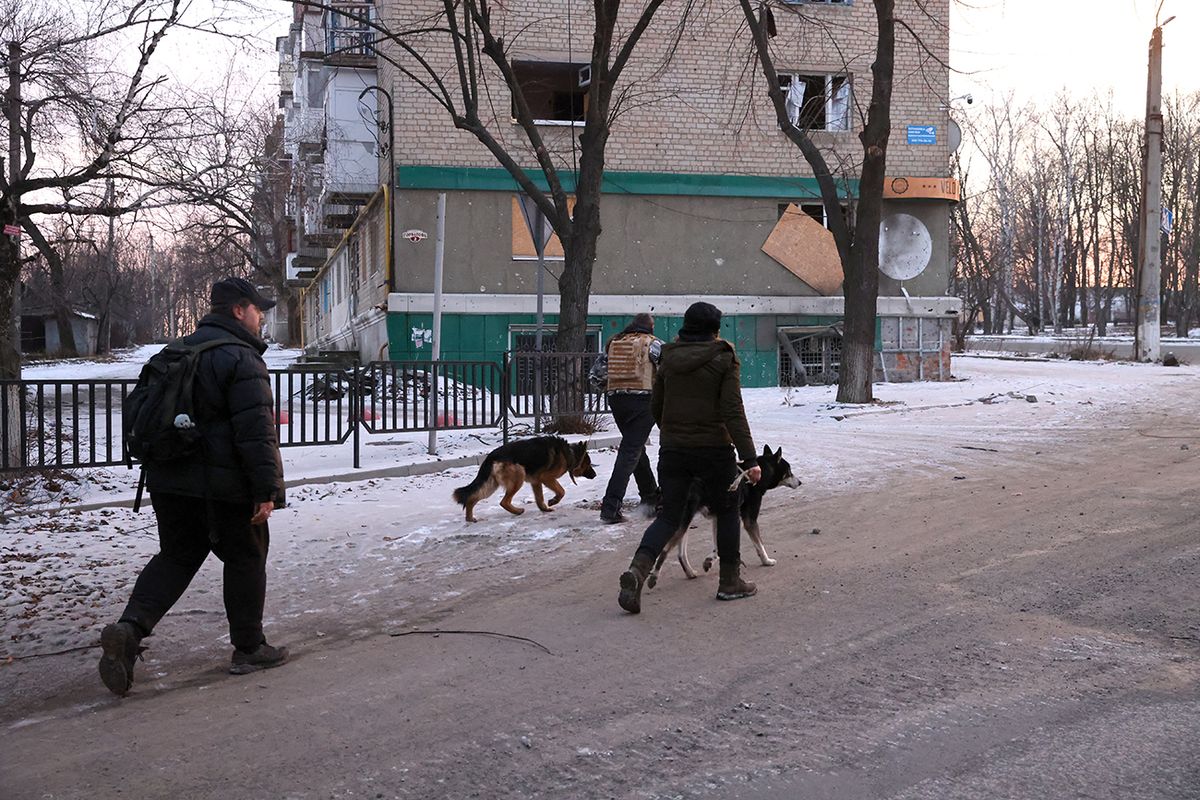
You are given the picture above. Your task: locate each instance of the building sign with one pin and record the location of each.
(12, 230)
(415, 235)
(922, 134)
(916, 188)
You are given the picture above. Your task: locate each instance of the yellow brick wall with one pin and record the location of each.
(703, 110)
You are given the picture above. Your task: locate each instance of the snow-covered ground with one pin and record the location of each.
(361, 552)
(126, 363)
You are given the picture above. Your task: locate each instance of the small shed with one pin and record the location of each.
(39, 332)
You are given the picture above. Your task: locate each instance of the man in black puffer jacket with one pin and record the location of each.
(216, 501)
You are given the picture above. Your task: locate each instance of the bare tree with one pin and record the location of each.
(1181, 179)
(973, 276)
(231, 169)
(81, 115)
(998, 134)
(1065, 132)
(857, 238)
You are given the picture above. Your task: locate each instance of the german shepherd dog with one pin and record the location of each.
(775, 472)
(540, 461)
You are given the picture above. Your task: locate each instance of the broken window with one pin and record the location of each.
(817, 102)
(814, 210)
(555, 91)
(809, 354)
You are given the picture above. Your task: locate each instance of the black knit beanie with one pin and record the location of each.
(700, 319)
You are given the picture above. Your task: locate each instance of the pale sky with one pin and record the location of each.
(1037, 47)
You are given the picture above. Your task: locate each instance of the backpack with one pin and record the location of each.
(631, 362)
(159, 417)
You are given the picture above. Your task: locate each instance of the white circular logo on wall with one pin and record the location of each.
(905, 246)
(415, 235)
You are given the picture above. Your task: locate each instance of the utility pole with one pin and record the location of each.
(1147, 333)
(438, 262)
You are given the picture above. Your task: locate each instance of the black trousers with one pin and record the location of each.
(184, 544)
(632, 414)
(713, 468)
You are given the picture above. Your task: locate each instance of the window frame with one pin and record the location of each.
(830, 93)
(581, 93)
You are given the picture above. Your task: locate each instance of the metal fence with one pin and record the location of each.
(548, 386)
(62, 424)
(73, 424)
(441, 395)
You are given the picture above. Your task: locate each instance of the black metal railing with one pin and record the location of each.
(546, 386)
(60, 424)
(315, 406)
(71, 424)
(423, 395)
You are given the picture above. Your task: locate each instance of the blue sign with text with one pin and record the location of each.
(922, 134)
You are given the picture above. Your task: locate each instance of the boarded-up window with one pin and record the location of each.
(522, 241)
(801, 245)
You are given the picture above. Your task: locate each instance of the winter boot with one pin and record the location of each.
(731, 585)
(120, 644)
(632, 580)
(262, 657)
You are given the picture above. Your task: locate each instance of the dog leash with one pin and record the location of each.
(733, 487)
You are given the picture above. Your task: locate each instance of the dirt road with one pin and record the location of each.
(1023, 623)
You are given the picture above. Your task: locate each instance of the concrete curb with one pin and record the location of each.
(354, 475)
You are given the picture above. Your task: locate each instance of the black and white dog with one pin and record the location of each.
(775, 472)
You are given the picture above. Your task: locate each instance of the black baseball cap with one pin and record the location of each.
(228, 291)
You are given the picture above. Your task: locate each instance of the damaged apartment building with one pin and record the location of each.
(704, 197)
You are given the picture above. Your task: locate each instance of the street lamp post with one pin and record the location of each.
(390, 148)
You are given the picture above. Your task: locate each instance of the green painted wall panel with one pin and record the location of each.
(496, 179)
(469, 337)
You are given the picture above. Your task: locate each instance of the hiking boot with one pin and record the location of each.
(632, 580)
(731, 585)
(120, 644)
(262, 657)
(611, 518)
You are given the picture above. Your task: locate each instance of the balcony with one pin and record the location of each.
(341, 215)
(349, 39)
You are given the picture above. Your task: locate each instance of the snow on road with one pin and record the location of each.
(361, 555)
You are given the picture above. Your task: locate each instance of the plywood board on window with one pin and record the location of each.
(522, 242)
(806, 249)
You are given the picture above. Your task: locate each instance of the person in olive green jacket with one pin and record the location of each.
(697, 403)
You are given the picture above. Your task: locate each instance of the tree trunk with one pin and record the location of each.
(861, 270)
(575, 287)
(10, 339)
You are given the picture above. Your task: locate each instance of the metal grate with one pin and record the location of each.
(809, 355)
